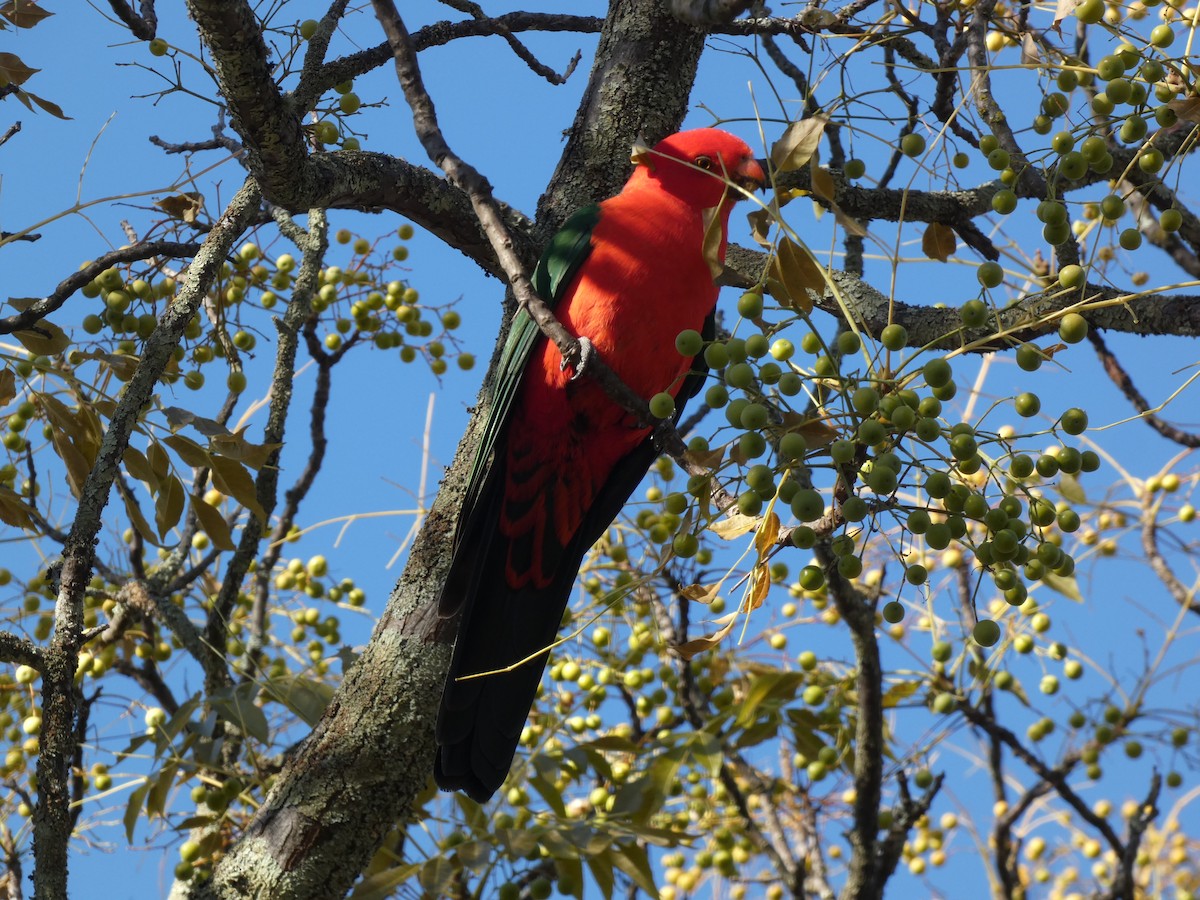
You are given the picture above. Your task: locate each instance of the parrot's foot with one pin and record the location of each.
(579, 357)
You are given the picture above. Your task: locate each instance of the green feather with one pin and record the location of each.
(553, 275)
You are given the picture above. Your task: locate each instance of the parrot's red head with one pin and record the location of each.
(711, 158)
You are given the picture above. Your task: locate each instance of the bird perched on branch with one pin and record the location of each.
(559, 457)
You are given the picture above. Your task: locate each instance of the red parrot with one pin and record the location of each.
(558, 458)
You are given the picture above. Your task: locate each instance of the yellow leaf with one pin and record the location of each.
(798, 144)
(734, 526)
(939, 241)
(822, 181)
(768, 533)
(760, 586)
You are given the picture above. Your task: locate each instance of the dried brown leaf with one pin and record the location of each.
(698, 645)
(698, 593)
(797, 272)
(1187, 108)
(8, 386)
(939, 241)
(14, 70)
(185, 206)
(24, 13)
(798, 144)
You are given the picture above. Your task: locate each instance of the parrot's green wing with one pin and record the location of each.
(553, 275)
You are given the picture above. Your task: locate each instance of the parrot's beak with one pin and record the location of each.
(749, 176)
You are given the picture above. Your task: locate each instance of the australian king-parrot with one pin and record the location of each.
(558, 457)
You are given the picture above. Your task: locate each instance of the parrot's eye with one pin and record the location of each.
(703, 162)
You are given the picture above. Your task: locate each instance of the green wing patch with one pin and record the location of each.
(554, 272)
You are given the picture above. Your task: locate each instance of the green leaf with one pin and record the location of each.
(601, 866)
(168, 505)
(437, 875)
(160, 789)
(1071, 489)
(138, 520)
(160, 462)
(14, 70)
(632, 860)
(898, 693)
(189, 451)
(45, 338)
(1067, 586)
(139, 467)
(14, 511)
(238, 707)
(48, 105)
(382, 885)
(234, 481)
(133, 809)
(777, 686)
(303, 696)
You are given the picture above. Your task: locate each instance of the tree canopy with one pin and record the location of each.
(906, 604)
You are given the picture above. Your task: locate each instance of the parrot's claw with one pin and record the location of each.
(579, 358)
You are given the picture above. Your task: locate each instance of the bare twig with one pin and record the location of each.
(476, 12)
(1115, 371)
